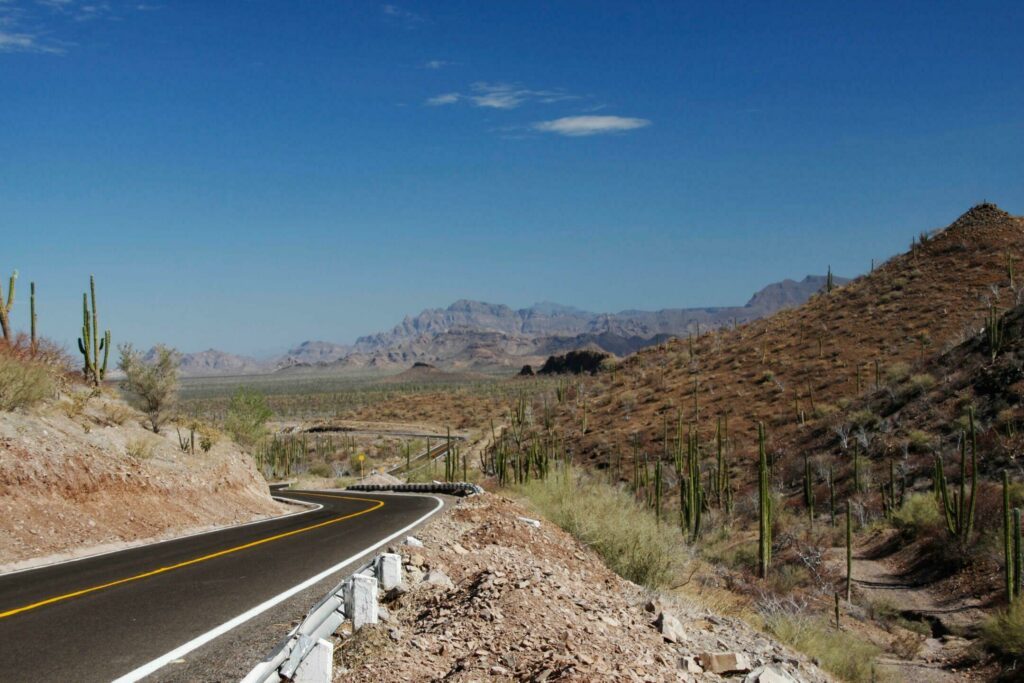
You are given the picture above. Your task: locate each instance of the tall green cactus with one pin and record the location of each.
(1008, 541)
(830, 282)
(91, 343)
(959, 508)
(32, 315)
(849, 551)
(691, 487)
(6, 306)
(808, 491)
(764, 549)
(657, 491)
(832, 495)
(994, 331)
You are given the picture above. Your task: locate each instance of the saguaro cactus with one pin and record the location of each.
(1008, 541)
(6, 306)
(91, 343)
(764, 550)
(994, 331)
(849, 551)
(809, 491)
(32, 314)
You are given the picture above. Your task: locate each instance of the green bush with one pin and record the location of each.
(919, 384)
(24, 382)
(918, 514)
(321, 469)
(248, 413)
(1003, 632)
(919, 441)
(611, 522)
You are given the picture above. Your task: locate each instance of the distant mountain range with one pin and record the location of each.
(473, 335)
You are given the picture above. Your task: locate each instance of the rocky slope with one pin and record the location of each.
(80, 474)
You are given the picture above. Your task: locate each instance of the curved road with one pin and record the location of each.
(103, 617)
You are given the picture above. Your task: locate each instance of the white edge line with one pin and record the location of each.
(313, 508)
(199, 641)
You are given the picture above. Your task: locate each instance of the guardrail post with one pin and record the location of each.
(389, 570)
(318, 665)
(361, 601)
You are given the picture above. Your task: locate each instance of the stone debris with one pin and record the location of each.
(535, 523)
(768, 674)
(526, 603)
(670, 628)
(413, 542)
(725, 662)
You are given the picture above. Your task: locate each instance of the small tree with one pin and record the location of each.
(248, 413)
(153, 383)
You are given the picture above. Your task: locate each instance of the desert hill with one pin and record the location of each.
(819, 357)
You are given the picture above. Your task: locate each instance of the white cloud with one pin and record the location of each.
(578, 126)
(446, 98)
(502, 96)
(435, 64)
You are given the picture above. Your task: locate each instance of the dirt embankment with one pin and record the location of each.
(79, 476)
(494, 596)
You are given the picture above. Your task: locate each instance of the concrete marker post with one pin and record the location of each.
(389, 570)
(318, 665)
(361, 601)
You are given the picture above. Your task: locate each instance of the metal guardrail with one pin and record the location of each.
(321, 621)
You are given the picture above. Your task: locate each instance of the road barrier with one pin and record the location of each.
(306, 655)
(454, 488)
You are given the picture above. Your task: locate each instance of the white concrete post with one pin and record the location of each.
(318, 665)
(389, 570)
(361, 601)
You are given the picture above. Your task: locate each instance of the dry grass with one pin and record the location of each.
(608, 520)
(1003, 633)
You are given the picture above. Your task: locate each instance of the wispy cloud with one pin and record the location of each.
(26, 42)
(435, 64)
(501, 96)
(580, 126)
(407, 17)
(446, 98)
(32, 26)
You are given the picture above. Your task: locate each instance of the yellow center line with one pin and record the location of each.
(204, 558)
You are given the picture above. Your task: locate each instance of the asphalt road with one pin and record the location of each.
(99, 618)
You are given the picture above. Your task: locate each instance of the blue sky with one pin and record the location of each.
(246, 175)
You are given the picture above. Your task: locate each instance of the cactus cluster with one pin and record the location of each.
(691, 486)
(959, 507)
(892, 495)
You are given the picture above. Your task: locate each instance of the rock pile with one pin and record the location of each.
(490, 597)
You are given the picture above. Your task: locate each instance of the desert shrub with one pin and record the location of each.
(613, 524)
(151, 385)
(864, 418)
(919, 384)
(1003, 632)
(897, 372)
(248, 413)
(321, 469)
(919, 514)
(117, 413)
(788, 577)
(840, 652)
(29, 374)
(139, 448)
(822, 409)
(23, 382)
(919, 441)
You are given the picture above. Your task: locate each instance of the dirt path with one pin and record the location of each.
(881, 581)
